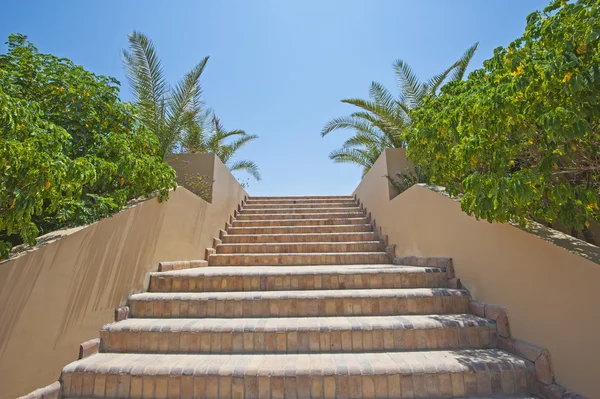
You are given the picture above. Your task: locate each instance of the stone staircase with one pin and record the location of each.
(299, 300)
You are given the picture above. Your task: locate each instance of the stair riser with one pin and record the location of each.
(298, 222)
(304, 198)
(298, 282)
(302, 341)
(300, 248)
(250, 206)
(297, 259)
(292, 384)
(267, 239)
(299, 307)
(247, 211)
(282, 216)
(333, 229)
(300, 202)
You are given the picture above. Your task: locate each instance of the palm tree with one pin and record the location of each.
(382, 119)
(204, 133)
(161, 109)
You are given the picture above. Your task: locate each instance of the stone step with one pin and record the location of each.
(314, 229)
(252, 211)
(437, 374)
(301, 247)
(299, 303)
(301, 201)
(299, 222)
(274, 278)
(299, 334)
(294, 216)
(288, 238)
(291, 205)
(301, 197)
(282, 259)
(294, 395)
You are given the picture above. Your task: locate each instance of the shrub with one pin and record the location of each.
(520, 137)
(201, 185)
(403, 181)
(70, 151)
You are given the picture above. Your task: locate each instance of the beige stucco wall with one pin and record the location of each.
(550, 293)
(60, 294)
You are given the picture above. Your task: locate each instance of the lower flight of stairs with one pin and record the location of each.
(300, 300)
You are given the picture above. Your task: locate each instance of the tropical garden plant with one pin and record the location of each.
(176, 115)
(382, 119)
(204, 132)
(70, 151)
(162, 109)
(520, 138)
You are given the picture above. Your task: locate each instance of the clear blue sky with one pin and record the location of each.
(278, 68)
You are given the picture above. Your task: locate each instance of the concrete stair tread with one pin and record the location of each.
(432, 374)
(297, 270)
(299, 334)
(350, 233)
(303, 294)
(303, 253)
(298, 216)
(286, 324)
(307, 229)
(262, 244)
(296, 258)
(302, 277)
(296, 197)
(299, 222)
(300, 247)
(298, 209)
(301, 207)
(271, 364)
(295, 220)
(470, 397)
(355, 236)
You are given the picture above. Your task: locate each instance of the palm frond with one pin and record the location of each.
(185, 98)
(223, 134)
(435, 82)
(147, 79)
(411, 90)
(463, 62)
(346, 123)
(193, 137)
(226, 151)
(369, 106)
(239, 143)
(247, 166)
(367, 141)
(359, 156)
(382, 96)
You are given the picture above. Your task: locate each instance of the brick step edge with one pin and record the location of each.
(468, 334)
(51, 391)
(181, 264)
(540, 357)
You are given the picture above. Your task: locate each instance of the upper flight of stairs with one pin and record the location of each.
(300, 300)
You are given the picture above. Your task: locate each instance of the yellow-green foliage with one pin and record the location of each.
(70, 150)
(520, 137)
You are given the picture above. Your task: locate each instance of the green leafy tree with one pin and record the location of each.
(70, 151)
(205, 133)
(162, 109)
(520, 137)
(381, 120)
